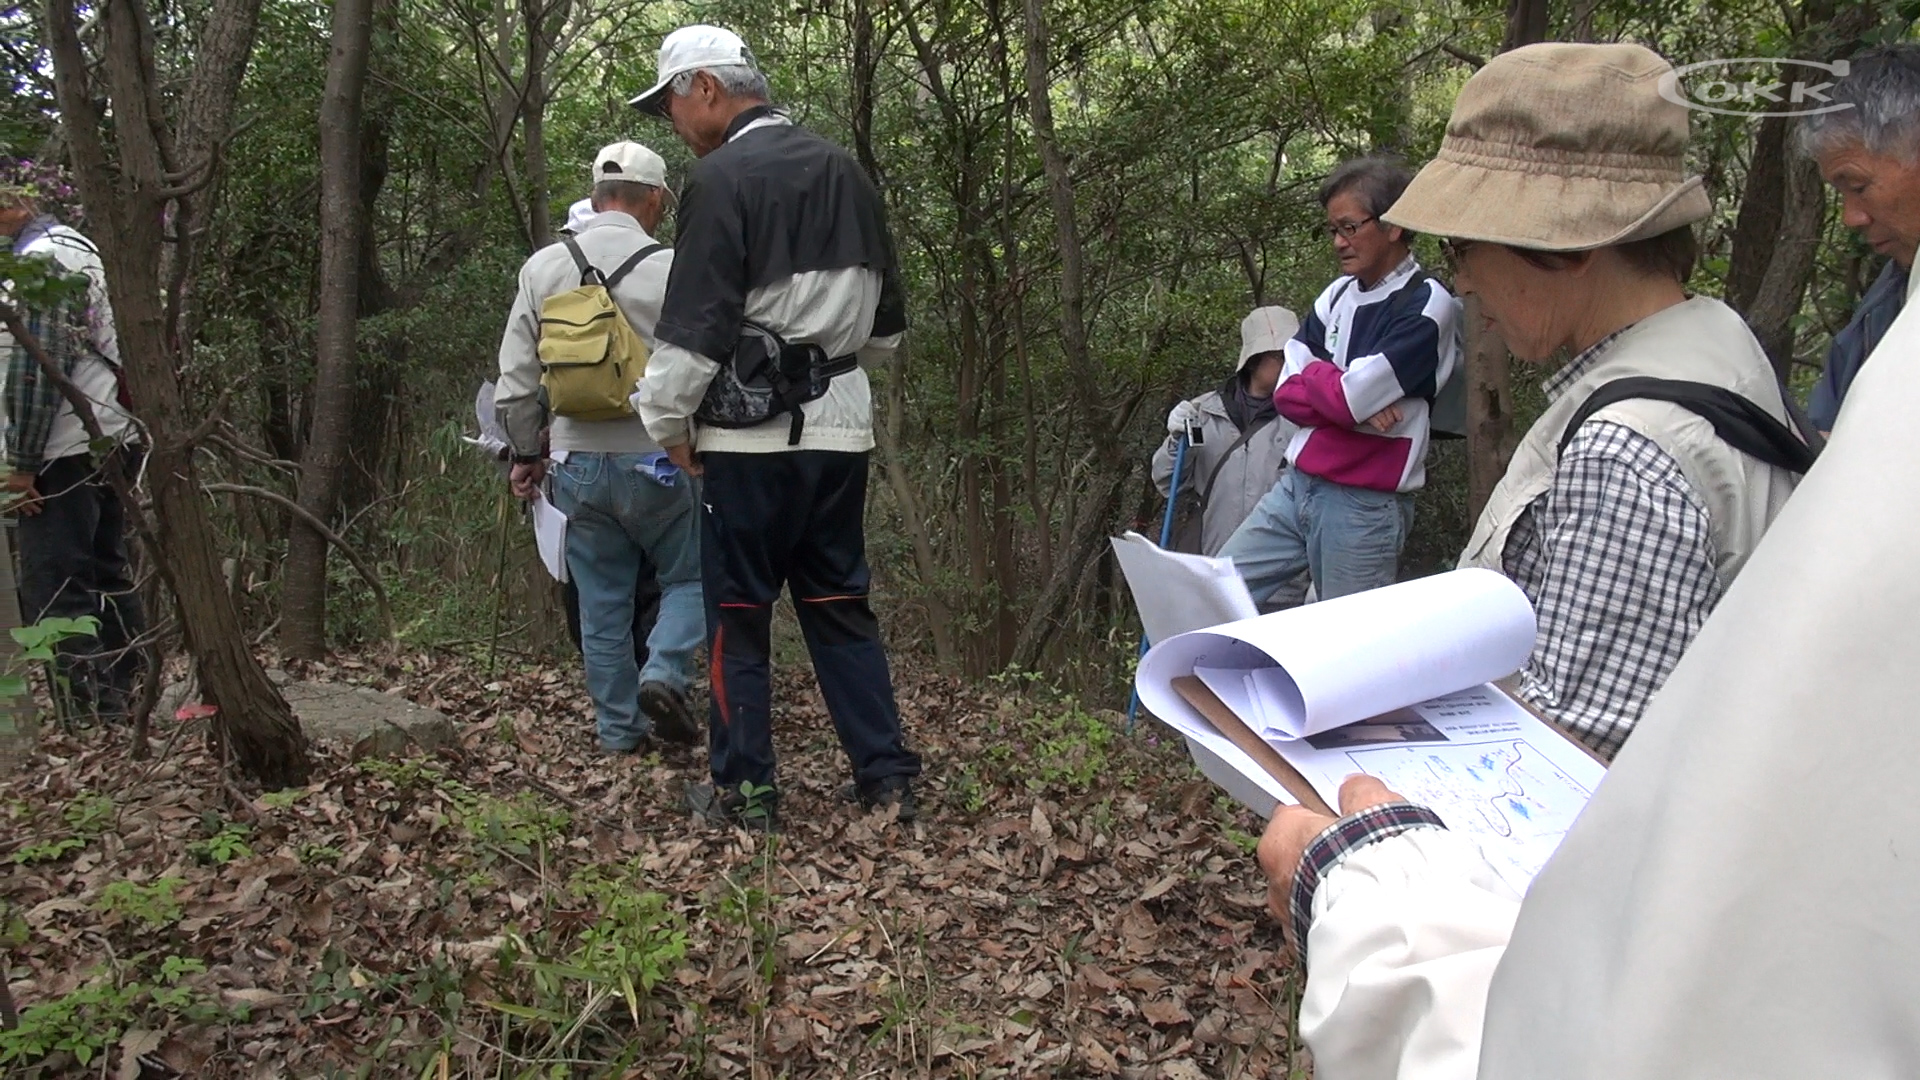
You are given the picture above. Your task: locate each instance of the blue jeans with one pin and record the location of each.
(615, 516)
(1349, 538)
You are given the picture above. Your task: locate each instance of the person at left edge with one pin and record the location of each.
(73, 548)
(624, 504)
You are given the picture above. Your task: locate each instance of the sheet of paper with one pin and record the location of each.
(492, 437)
(1339, 661)
(1176, 592)
(550, 536)
(1488, 767)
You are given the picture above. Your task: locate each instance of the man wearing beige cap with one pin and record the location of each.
(1237, 445)
(786, 286)
(1735, 900)
(626, 505)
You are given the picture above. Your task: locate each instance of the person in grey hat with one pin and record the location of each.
(1237, 446)
(1868, 147)
(626, 505)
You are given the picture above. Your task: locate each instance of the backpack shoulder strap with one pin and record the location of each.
(1251, 430)
(1739, 422)
(588, 275)
(633, 260)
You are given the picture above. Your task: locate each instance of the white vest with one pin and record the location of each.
(1700, 340)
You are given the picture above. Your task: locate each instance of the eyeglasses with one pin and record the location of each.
(1346, 228)
(1455, 252)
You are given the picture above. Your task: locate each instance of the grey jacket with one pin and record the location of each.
(1242, 479)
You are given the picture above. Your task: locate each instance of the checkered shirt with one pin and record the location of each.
(33, 401)
(1341, 839)
(1618, 559)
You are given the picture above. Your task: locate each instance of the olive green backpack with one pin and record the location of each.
(591, 358)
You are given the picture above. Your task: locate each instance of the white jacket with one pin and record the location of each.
(96, 376)
(1738, 899)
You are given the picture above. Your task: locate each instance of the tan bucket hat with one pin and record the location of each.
(1559, 147)
(1266, 330)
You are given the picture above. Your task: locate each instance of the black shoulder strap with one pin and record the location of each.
(1250, 431)
(633, 260)
(1739, 422)
(588, 275)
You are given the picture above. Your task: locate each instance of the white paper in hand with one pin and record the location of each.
(550, 536)
(1177, 593)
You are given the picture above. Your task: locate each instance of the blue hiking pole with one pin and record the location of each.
(1166, 537)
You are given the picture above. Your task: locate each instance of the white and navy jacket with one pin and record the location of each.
(1359, 351)
(783, 228)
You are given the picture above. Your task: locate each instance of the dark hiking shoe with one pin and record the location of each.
(892, 791)
(729, 808)
(671, 715)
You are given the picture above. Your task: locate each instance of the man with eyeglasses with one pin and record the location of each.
(1360, 378)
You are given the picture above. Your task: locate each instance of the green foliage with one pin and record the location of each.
(227, 843)
(1058, 745)
(48, 850)
(89, 814)
(38, 642)
(153, 906)
(88, 1020)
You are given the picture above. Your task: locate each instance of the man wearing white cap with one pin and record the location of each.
(785, 285)
(625, 504)
(1237, 444)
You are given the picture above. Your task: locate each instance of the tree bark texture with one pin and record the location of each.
(1112, 473)
(1490, 436)
(303, 612)
(129, 194)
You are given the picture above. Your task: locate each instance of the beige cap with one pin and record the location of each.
(632, 162)
(1559, 147)
(1266, 330)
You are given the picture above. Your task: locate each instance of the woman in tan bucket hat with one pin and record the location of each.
(1736, 901)
(1562, 192)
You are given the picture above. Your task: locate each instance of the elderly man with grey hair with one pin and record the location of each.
(1359, 379)
(785, 285)
(626, 506)
(1868, 147)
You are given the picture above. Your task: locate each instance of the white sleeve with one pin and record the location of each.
(1406, 933)
(673, 388)
(516, 393)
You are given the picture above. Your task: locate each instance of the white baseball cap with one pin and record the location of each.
(578, 215)
(691, 48)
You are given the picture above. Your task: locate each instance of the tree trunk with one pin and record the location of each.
(1109, 468)
(1777, 299)
(303, 613)
(1762, 211)
(1490, 439)
(1526, 23)
(129, 195)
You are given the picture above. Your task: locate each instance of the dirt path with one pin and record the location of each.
(1072, 903)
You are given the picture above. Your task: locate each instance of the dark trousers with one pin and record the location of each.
(73, 562)
(793, 519)
(646, 608)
